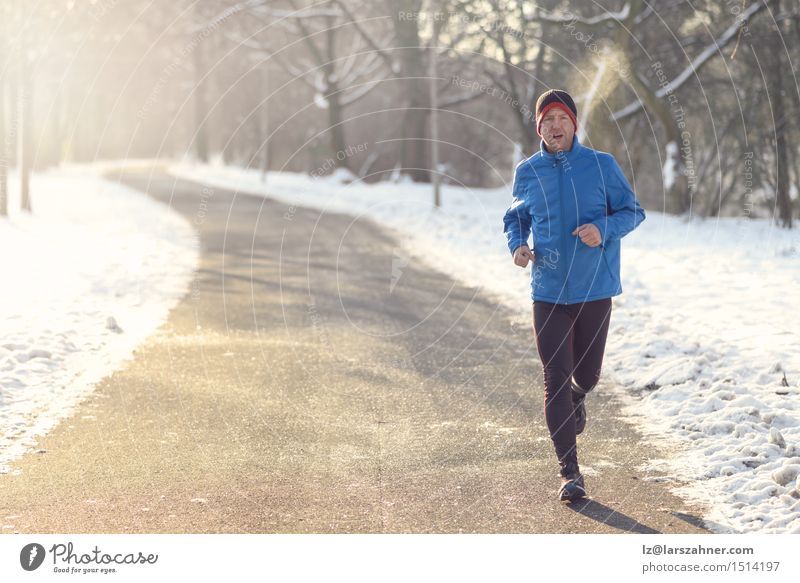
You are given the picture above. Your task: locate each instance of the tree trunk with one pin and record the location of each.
(200, 105)
(25, 106)
(413, 156)
(531, 138)
(679, 192)
(4, 139)
(333, 97)
(434, 117)
(781, 125)
(263, 119)
(26, 138)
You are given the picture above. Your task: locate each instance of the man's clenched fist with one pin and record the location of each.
(589, 234)
(522, 255)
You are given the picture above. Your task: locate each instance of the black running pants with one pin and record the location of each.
(571, 340)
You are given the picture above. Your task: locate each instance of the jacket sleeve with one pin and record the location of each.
(624, 211)
(517, 220)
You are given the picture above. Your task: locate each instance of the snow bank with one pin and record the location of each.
(87, 277)
(706, 336)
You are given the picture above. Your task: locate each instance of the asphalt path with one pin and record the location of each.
(315, 378)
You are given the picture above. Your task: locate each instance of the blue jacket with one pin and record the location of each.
(553, 195)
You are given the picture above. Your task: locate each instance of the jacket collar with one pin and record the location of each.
(569, 154)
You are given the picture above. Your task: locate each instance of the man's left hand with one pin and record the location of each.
(589, 234)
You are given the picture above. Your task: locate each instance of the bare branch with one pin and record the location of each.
(260, 51)
(366, 36)
(361, 91)
(227, 13)
(306, 35)
(570, 17)
(698, 62)
(496, 80)
(372, 64)
(459, 99)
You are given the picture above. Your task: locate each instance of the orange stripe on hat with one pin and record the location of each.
(550, 106)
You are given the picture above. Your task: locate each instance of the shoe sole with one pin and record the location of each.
(571, 493)
(573, 497)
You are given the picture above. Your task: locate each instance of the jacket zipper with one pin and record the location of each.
(559, 166)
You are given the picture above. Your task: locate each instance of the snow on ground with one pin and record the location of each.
(699, 344)
(87, 277)
(705, 335)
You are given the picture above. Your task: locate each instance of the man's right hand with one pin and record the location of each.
(522, 255)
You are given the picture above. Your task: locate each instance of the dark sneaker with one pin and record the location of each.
(579, 406)
(580, 415)
(572, 487)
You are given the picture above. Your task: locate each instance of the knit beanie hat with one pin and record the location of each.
(555, 98)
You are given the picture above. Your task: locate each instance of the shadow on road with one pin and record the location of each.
(602, 513)
(693, 520)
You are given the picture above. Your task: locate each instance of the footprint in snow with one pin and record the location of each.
(31, 354)
(112, 325)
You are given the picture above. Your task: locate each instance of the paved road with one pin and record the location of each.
(317, 380)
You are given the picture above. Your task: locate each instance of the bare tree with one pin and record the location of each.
(340, 70)
(406, 54)
(781, 121)
(25, 107)
(624, 25)
(4, 137)
(520, 73)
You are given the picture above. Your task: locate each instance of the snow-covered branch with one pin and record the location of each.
(570, 17)
(227, 13)
(697, 63)
(302, 13)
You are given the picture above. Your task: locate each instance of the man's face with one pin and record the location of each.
(557, 130)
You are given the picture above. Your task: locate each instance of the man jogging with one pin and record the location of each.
(578, 204)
